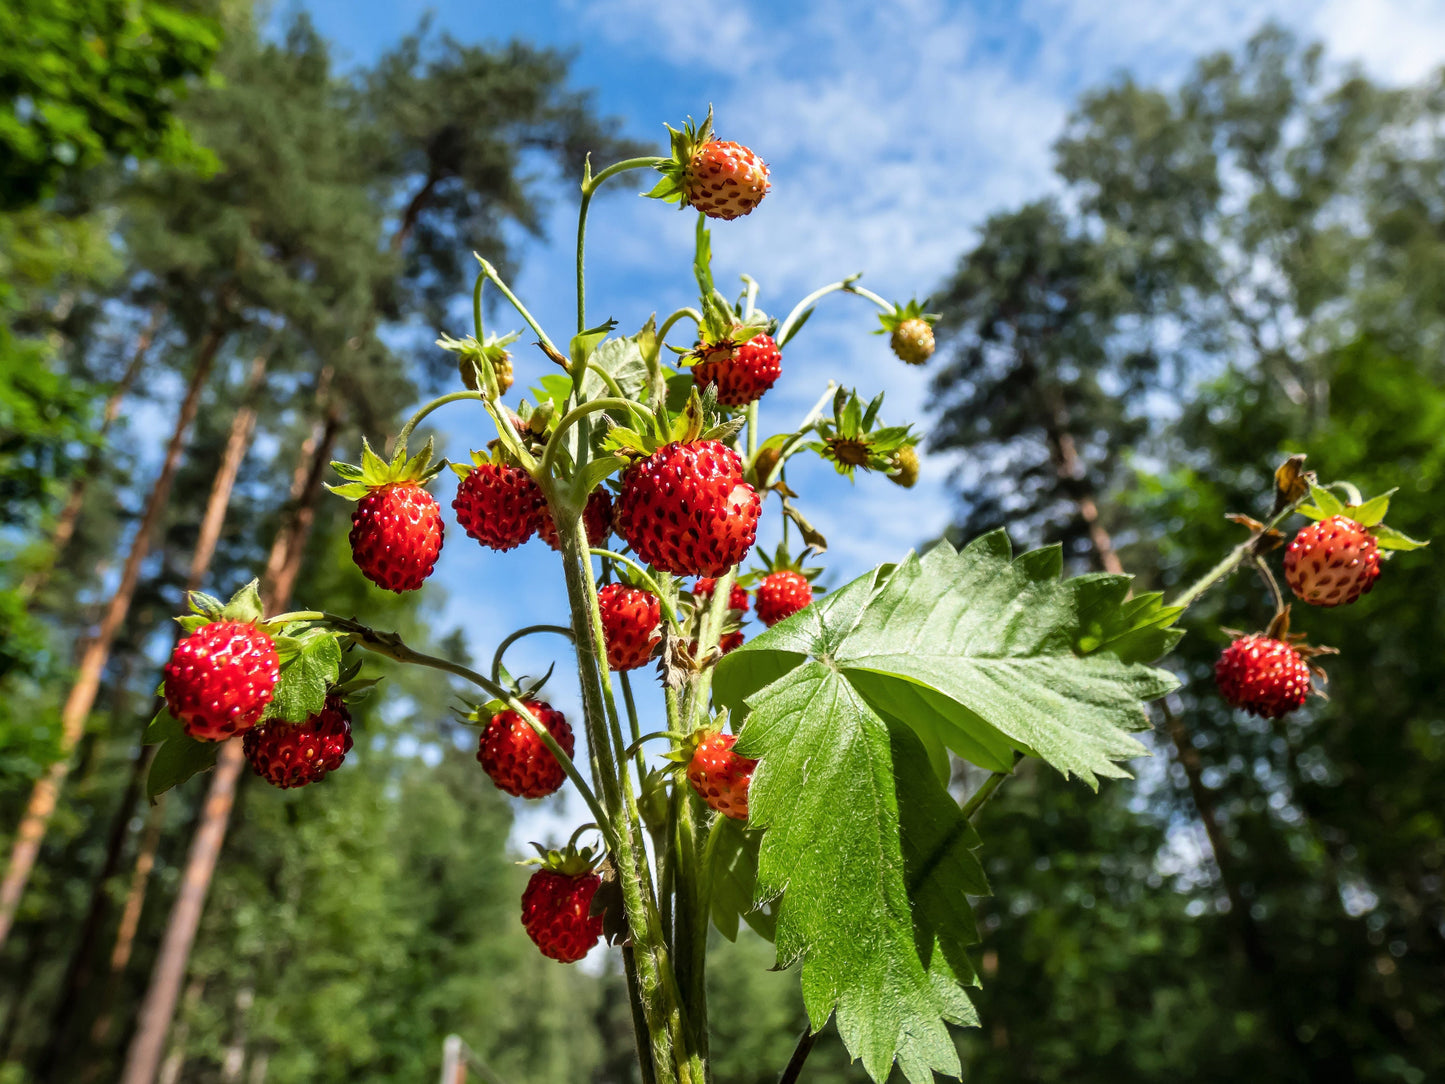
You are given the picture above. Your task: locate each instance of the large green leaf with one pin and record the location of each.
(848, 704)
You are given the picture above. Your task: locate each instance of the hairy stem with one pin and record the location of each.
(440, 401)
(1236, 557)
(559, 630)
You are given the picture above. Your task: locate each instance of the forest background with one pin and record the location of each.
(1170, 247)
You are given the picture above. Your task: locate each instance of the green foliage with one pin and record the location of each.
(83, 81)
(872, 858)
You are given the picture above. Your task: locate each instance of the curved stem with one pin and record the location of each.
(882, 302)
(572, 417)
(528, 631)
(785, 329)
(796, 442)
(647, 581)
(440, 401)
(608, 379)
(491, 272)
(1233, 560)
(752, 431)
(477, 305)
(590, 185)
(979, 798)
(750, 300)
(390, 645)
(1270, 582)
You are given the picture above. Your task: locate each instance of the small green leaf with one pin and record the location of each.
(583, 344)
(1373, 510)
(349, 471)
(163, 727)
(301, 689)
(192, 622)
(1387, 538)
(179, 757)
(352, 491)
(797, 327)
(1326, 502)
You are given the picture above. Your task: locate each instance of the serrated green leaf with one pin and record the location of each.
(1327, 503)
(1387, 538)
(874, 862)
(301, 688)
(179, 757)
(848, 703)
(1373, 510)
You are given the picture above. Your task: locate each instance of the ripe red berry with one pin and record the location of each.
(737, 598)
(220, 678)
(721, 777)
(725, 180)
(630, 619)
(294, 754)
(596, 521)
(499, 505)
(396, 536)
(730, 641)
(555, 910)
(1264, 676)
(782, 594)
(513, 755)
(686, 509)
(1332, 562)
(741, 371)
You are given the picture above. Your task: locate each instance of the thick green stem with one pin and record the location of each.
(572, 417)
(674, 1057)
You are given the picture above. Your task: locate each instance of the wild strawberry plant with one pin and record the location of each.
(802, 780)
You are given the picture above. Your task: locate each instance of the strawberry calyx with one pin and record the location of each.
(373, 472)
(852, 438)
(696, 421)
(568, 860)
(901, 313)
(674, 168)
(483, 366)
(1369, 514)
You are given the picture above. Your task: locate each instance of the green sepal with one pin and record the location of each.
(1372, 512)
(375, 472)
(245, 604)
(902, 312)
(1325, 504)
(1387, 538)
(581, 347)
(683, 143)
(207, 606)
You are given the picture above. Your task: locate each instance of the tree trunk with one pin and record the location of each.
(82, 696)
(70, 514)
(414, 208)
(1065, 455)
(143, 1058)
(78, 970)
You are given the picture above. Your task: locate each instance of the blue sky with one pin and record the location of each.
(891, 130)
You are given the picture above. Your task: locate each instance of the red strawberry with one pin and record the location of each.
(721, 777)
(686, 509)
(220, 678)
(782, 594)
(596, 521)
(515, 758)
(396, 536)
(1264, 676)
(292, 755)
(724, 179)
(555, 914)
(730, 641)
(741, 371)
(499, 505)
(630, 618)
(737, 598)
(1332, 562)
